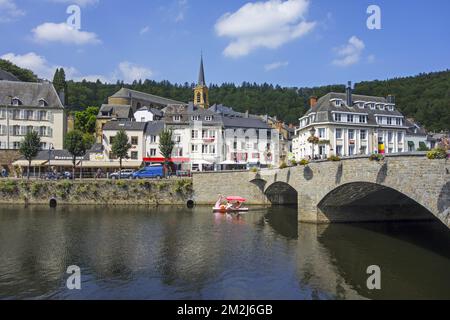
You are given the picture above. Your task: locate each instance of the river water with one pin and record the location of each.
(177, 253)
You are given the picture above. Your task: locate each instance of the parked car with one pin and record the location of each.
(124, 174)
(149, 172)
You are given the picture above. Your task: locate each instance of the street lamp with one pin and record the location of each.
(50, 149)
(312, 131)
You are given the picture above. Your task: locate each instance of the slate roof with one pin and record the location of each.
(5, 75)
(29, 93)
(186, 114)
(155, 128)
(126, 125)
(201, 75)
(120, 112)
(324, 107)
(414, 129)
(128, 93)
(238, 122)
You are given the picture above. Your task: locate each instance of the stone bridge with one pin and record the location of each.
(402, 187)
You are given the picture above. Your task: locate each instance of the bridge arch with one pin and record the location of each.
(281, 193)
(368, 201)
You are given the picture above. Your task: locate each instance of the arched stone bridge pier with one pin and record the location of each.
(406, 187)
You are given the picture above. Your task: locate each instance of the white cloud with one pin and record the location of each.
(144, 30)
(276, 65)
(129, 72)
(350, 53)
(9, 11)
(181, 8)
(269, 24)
(38, 64)
(62, 32)
(81, 3)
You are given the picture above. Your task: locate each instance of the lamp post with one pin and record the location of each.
(50, 149)
(312, 131)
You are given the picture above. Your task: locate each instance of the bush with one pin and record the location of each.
(304, 162)
(122, 184)
(294, 163)
(8, 187)
(334, 158)
(423, 146)
(376, 157)
(437, 153)
(283, 165)
(36, 189)
(183, 186)
(254, 170)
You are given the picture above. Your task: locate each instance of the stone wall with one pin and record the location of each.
(101, 192)
(207, 187)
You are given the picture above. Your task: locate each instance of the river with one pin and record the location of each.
(178, 253)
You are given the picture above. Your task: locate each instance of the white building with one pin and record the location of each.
(348, 125)
(26, 107)
(147, 114)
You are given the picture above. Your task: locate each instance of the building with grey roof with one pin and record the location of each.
(28, 106)
(347, 124)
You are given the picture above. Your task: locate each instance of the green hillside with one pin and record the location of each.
(425, 97)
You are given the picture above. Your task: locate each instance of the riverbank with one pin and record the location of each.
(97, 192)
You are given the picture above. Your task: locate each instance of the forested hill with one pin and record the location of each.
(425, 97)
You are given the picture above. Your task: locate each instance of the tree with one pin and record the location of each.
(29, 148)
(60, 84)
(85, 120)
(120, 147)
(77, 146)
(166, 145)
(423, 147)
(24, 75)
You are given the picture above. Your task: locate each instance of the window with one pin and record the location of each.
(398, 121)
(142, 119)
(204, 134)
(152, 152)
(362, 119)
(351, 150)
(338, 133)
(337, 117)
(363, 134)
(389, 121)
(134, 141)
(177, 118)
(212, 149)
(16, 102)
(349, 118)
(390, 150)
(363, 150)
(322, 150)
(194, 134)
(372, 106)
(235, 145)
(351, 134)
(208, 118)
(111, 140)
(400, 150)
(321, 133)
(177, 138)
(134, 155)
(390, 137)
(204, 148)
(381, 106)
(199, 97)
(400, 137)
(152, 139)
(194, 148)
(195, 118)
(391, 108)
(212, 133)
(339, 151)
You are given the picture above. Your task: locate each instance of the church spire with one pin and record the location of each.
(201, 75)
(201, 96)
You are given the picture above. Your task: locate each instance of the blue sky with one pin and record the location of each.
(286, 42)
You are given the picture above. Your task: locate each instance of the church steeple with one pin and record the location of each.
(201, 96)
(201, 75)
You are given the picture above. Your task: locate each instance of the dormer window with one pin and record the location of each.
(372, 106)
(391, 107)
(360, 104)
(208, 118)
(177, 118)
(337, 102)
(381, 106)
(16, 102)
(195, 118)
(42, 103)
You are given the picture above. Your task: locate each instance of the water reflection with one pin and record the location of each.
(177, 253)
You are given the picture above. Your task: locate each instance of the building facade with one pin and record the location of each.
(26, 107)
(345, 124)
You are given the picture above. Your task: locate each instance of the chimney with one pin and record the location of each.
(312, 101)
(62, 97)
(349, 94)
(391, 99)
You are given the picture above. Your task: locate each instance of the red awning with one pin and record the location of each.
(174, 160)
